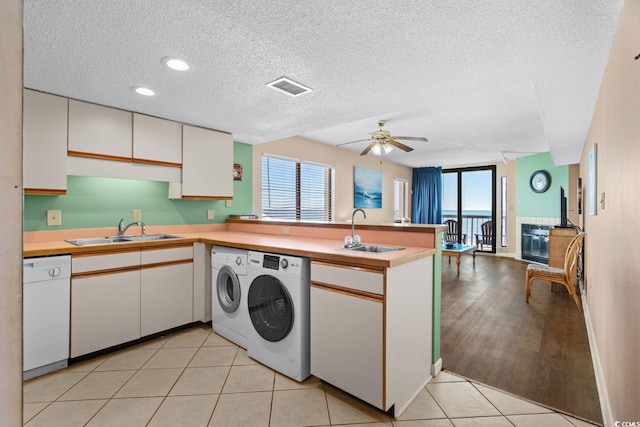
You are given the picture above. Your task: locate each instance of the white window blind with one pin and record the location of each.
(400, 198)
(297, 190)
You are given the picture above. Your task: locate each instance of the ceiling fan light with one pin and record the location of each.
(376, 150)
(387, 148)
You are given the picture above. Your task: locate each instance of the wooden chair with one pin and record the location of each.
(451, 234)
(486, 238)
(564, 276)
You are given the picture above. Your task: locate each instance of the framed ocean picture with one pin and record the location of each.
(367, 188)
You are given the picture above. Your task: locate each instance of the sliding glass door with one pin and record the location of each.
(469, 198)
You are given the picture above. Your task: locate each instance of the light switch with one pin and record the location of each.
(227, 203)
(54, 217)
(137, 215)
(210, 214)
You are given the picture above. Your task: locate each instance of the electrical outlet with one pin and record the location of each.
(210, 214)
(137, 215)
(286, 231)
(54, 217)
(227, 203)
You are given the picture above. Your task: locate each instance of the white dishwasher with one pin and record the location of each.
(46, 312)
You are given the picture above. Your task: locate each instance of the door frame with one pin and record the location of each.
(459, 171)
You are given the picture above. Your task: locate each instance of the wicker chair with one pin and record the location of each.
(564, 276)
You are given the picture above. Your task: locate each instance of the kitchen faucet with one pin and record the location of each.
(353, 240)
(123, 228)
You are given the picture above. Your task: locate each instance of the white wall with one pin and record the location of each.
(344, 161)
(612, 267)
(11, 228)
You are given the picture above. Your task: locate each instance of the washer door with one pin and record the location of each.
(228, 289)
(270, 308)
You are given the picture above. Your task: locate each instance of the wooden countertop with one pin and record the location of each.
(317, 249)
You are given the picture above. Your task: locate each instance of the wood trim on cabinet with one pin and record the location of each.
(349, 291)
(104, 272)
(380, 270)
(384, 339)
(106, 252)
(99, 156)
(187, 197)
(156, 162)
(44, 192)
(167, 263)
(171, 246)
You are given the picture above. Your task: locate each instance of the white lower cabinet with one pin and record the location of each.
(347, 330)
(347, 342)
(105, 311)
(166, 297)
(120, 296)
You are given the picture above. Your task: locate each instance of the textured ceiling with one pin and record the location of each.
(474, 77)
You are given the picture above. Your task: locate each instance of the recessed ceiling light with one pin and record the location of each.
(175, 64)
(140, 90)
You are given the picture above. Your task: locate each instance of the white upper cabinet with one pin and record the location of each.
(156, 141)
(45, 143)
(100, 132)
(207, 164)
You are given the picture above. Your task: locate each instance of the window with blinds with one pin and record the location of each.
(297, 190)
(400, 199)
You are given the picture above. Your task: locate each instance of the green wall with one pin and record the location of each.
(545, 204)
(93, 202)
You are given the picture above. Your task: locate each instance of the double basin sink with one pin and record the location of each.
(372, 248)
(120, 239)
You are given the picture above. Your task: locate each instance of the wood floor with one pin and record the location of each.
(539, 351)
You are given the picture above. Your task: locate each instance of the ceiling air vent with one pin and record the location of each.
(289, 87)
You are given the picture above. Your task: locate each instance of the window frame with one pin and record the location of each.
(297, 182)
(400, 200)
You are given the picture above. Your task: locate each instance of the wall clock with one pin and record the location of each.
(540, 181)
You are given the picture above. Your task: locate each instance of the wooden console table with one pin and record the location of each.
(457, 250)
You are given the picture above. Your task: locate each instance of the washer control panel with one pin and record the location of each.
(281, 263)
(234, 258)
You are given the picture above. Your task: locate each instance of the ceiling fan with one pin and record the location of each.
(383, 142)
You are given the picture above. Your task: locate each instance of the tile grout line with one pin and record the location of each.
(436, 401)
(177, 379)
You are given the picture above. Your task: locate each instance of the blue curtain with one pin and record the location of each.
(426, 199)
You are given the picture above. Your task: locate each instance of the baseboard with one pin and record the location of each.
(506, 255)
(605, 405)
(436, 368)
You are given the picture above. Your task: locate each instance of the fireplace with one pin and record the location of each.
(535, 243)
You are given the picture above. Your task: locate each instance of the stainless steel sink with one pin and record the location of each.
(373, 248)
(146, 237)
(119, 239)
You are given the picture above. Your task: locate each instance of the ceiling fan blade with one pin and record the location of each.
(369, 147)
(400, 145)
(411, 138)
(351, 142)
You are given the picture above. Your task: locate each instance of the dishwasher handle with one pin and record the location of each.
(46, 268)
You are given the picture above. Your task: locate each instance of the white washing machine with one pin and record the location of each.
(278, 305)
(230, 317)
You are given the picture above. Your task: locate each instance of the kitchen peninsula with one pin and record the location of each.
(374, 316)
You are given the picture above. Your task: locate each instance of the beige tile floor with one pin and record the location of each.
(197, 378)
